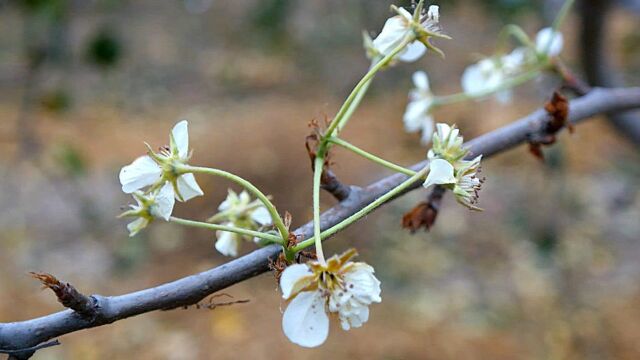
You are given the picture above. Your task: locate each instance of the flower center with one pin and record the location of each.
(329, 281)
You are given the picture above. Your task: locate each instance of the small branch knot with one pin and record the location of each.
(67, 295)
(328, 181)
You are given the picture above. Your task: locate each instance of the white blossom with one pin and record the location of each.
(238, 211)
(448, 167)
(447, 144)
(156, 169)
(468, 184)
(157, 204)
(441, 172)
(549, 42)
(417, 116)
(315, 290)
(485, 76)
(420, 27)
(491, 73)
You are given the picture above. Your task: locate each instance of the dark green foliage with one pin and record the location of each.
(71, 161)
(104, 49)
(269, 19)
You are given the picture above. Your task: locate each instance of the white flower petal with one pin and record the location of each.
(143, 171)
(293, 279)
(228, 243)
(188, 187)
(164, 202)
(420, 80)
(244, 197)
(472, 80)
(513, 62)
(413, 118)
(261, 216)
(412, 52)
(180, 135)
(354, 318)
(441, 172)
(305, 321)
(226, 204)
(443, 131)
(434, 13)
(393, 31)
(549, 42)
(405, 14)
(136, 225)
(481, 77)
(362, 284)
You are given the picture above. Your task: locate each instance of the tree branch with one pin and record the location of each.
(597, 65)
(192, 289)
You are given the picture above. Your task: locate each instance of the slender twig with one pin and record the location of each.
(31, 349)
(192, 289)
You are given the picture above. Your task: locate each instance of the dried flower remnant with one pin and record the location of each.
(425, 213)
(558, 110)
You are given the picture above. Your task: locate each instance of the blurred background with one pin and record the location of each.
(549, 270)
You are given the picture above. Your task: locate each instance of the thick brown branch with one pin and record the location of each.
(194, 288)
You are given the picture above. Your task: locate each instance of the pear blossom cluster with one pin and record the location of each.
(160, 174)
(239, 211)
(449, 168)
(315, 291)
(339, 287)
(489, 74)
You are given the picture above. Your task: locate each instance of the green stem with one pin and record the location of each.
(369, 156)
(222, 215)
(318, 164)
(562, 14)
(317, 238)
(233, 229)
(517, 32)
(513, 82)
(277, 220)
(340, 119)
(356, 102)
